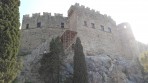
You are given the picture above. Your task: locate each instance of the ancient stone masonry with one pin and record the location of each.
(45, 20)
(68, 38)
(98, 33)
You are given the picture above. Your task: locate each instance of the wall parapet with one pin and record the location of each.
(36, 15)
(91, 11)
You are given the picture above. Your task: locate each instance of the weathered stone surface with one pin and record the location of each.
(102, 68)
(111, 50)
(98, 33)
(32, 64)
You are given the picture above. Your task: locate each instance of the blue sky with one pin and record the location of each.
(133, 11)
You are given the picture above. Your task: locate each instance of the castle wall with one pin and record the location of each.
(98, 33)
(46, 20)
(50, 26)
(32, 38)
(94, 39)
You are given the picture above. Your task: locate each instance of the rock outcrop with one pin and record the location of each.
(31, 65)
(106, 69)
(102, 68)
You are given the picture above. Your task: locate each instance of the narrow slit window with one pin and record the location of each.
(85, 23)
(38, 24)
(92, 25)
(62, 25)
(102, 27)
(109, 29)
(27, 26)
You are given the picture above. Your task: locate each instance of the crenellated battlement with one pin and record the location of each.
(83, 8)
(46, 13)
(58, 14)
(36, 15)
(26, 16)
(44, 19)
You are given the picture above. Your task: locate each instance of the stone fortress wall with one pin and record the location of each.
(98, 33)
(37, 29)
(45, 20)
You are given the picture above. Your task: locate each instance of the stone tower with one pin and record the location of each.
(97, 32)
(128, 42)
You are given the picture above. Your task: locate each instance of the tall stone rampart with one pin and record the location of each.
(86, 10)
(37, 29)
(32, 38)
(98, 33)
(46, 20)
(111, 50)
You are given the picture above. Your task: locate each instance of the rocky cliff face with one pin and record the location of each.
(105, 69)
(31, 65)
(114, 70)
(102, 68)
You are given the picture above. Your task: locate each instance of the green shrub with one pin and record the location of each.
(144, 60)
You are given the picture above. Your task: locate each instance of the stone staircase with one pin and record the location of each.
(68, 39)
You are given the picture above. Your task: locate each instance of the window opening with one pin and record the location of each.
(38, 24)
(109, 29)
(85, 23)
(92, 25)
(27, 26)
(102, 27)
(62, 25)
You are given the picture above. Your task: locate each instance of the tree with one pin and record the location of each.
(9, 40)
(51, 63)
(144, 60)
(80, 69)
